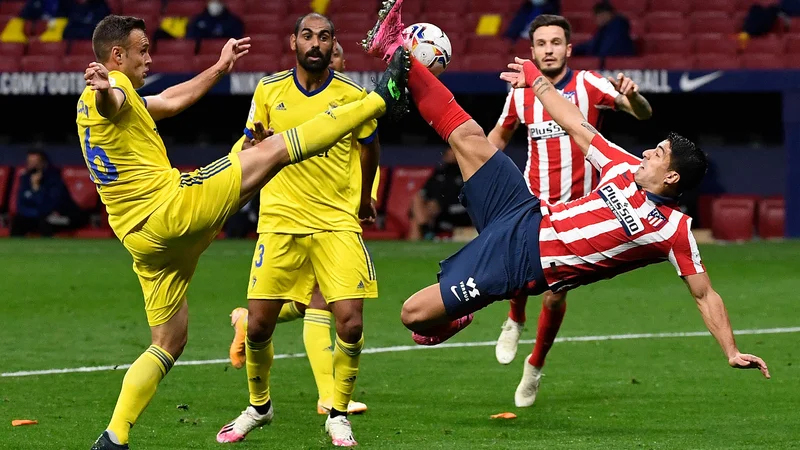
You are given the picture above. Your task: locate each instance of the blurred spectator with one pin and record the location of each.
(216, 21)
(83, 16)
(44, 9)
(761, 19)
(528, 11)
(436, 209)
(613, 35)
(44, 205)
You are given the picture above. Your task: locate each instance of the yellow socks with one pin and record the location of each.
(317, 339)
(325, 129)
(138, 388)
(345, 368)
(259, 361)
(289, 312)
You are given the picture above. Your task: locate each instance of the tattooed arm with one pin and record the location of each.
(565, 113)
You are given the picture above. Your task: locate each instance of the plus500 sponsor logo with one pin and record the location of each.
(622, 209)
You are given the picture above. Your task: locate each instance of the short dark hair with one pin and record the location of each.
(315, 15)
(40, 154)
(602, 7)
(546, 20)
(113, 31)
(688, 160)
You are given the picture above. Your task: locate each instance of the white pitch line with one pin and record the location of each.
(405, 348)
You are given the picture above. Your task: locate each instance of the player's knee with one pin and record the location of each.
(350, 328)
(173, 343)
(412, 315)
(259, 326)
(553, 301)
(467, 132)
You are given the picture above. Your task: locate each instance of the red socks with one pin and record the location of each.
(434, 101)
(517, 311)
(549, 323)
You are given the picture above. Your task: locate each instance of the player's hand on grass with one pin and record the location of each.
(624, 85)
(232, 51)
(746, 361)
(367, 212)
(96, 77)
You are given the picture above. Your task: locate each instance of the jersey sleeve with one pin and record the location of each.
(258, 111)
(601, 91)
(376, 184)
(120, 82)
(684, 254)
(508, 119)
(366, 133)
(605, 156)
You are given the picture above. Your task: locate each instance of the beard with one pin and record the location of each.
(552, 71)
(317, 66)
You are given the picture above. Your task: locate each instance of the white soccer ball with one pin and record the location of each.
(429, 45)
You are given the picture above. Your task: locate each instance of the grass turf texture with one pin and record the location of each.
(66, 303)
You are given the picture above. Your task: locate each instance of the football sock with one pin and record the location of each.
(345, 370)
(262, 409)
(138, 388)
(259, 361)
(517, 311)
(325, 129)
(289, 312)
(549, 323)
(335, 412)
(317, 340)
(434, 101)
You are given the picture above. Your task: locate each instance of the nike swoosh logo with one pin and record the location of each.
(687, 84)
(453, 290)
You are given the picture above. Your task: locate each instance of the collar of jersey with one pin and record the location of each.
(564, 81)
(315, 91)
(659, 199)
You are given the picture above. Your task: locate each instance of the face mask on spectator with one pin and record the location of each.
(215, 8)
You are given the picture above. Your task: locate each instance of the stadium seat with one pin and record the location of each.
(169, 47)
(75, 63)
(585, 63)
(350, 41)
(762, 62)
(483, 6)
(454, 27)
(266, 44)
(50, 63)
(578, 38)
(5, 178)
(10, 7)
(353, 23)
(405, 183)
(792, 44)
(521, 48)
(203, 62)
(631, 8)
(173, 64)
(673, 6)
(12, 195)
(352, 6)
(766, 45)
(142, 9)
(666, 22)
(267, 23)
(667, 43)
(721, 6)
(733, 218)
(771, 218)
(298, 8)
(638, 27)
(80, 187)
(711, 61)
(10, 64)
(582, 22)
(38, 48)
(184, 8)
(211, 46)
(279, 8)
(711, 22)
(717, 44)
(624, 63)
(487, 45)
(676, 61)
(486, 63)
(81, 47)
(577, 6)
(11, 49)
(455, 7)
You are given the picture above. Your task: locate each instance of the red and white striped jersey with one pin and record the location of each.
(617, 228)
(556, 170)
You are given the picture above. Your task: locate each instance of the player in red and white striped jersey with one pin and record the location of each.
(556, 169)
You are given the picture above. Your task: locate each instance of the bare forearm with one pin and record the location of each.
(640, 107)
(716, 318)
(184, 95)
(499, 137)
(564, 112)
(370, 158)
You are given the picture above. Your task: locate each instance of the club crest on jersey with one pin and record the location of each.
(656, 219)
(570, 95)
(622, 209)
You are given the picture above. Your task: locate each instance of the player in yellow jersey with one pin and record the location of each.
(166, 219)
(316, 315)
(309, 230)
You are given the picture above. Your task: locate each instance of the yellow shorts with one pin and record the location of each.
(287, 266)
(168, 245)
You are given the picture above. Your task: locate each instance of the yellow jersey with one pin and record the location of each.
(126, 157)
(322, 193)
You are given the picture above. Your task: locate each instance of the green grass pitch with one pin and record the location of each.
(67, 304)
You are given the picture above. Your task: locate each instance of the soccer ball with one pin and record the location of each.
(429, 45)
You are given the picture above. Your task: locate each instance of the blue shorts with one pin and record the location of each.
(504, 259)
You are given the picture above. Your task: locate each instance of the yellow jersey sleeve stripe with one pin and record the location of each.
(275, 78)
(294, 144)
(347, 81)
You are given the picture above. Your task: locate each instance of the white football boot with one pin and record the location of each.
(247, 421)
(340, 431)
(528, 385)
(507, 343)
